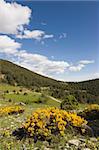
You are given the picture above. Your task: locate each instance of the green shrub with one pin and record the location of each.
(69, 103)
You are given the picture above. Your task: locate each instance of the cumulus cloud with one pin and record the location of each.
(76, 68)
(80, 65)
(35, 62)
(8, 45)
(35, 34)
(13, 17)
(38, 63)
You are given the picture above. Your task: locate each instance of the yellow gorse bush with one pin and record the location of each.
(44, 122)
(91, 112)
(11, 110)
(92, 107)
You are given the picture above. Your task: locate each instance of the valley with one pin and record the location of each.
(19, 100)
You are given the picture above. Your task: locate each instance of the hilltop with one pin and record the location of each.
(16, 75)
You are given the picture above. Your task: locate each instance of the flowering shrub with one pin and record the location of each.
(45, 122)
(11, 110)
(92, 107)
(91, 112)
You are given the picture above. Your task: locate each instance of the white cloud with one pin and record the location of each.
(80, 65)
(46, 36)
(8, 45)
(85, 62)
(76, 68)
(38, 63)
(13, 17)
(35, 34)
(96, 75)
(35, 62)
(78, 77)
(63, 36)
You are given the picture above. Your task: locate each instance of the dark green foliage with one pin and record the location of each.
(69, 103)
(91, 87)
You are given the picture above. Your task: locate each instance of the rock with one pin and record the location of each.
(82, 140)
(83, 145)
(74, 142)
(86, 149)
(24, 147)
(88, 130)
(67, 145)
(93, 139)
(21, 103)
(36, 148)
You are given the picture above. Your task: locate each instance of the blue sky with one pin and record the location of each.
(56, 39)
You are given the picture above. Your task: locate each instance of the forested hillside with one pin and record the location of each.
(16, 75)
(87, 91)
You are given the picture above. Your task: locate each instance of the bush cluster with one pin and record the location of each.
(69, 103)
(91, 112)
(44, 123)
(8, 110)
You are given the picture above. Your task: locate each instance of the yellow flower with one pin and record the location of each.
(48, 121)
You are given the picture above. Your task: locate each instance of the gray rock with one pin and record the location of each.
(93, 139)
(86, 149)
(67, 145)
(75, 142)
(82, 140)
(22, 104)
(36, 148)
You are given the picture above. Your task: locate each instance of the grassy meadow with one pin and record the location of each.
(11, 95)
(31, 101)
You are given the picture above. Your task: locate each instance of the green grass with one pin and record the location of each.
(5, 87)
(30, 98)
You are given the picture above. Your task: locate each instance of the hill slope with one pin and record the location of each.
(13, 74)
(87, 91)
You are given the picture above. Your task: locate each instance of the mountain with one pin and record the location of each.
(13, 74)
(86, 91)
